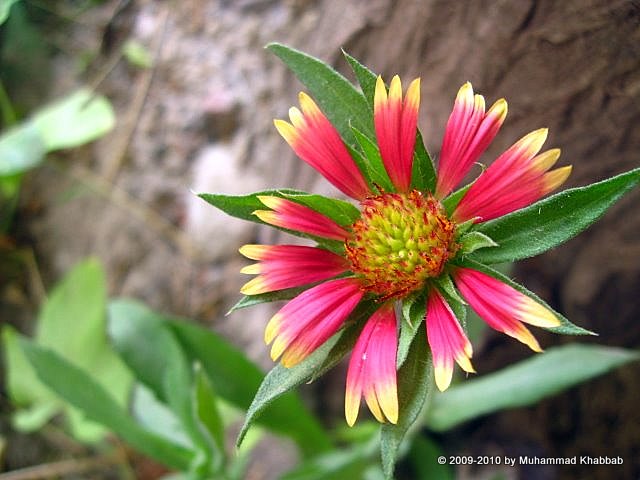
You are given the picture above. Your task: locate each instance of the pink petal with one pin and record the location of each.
(503, 307)
(318, 143)
(396, 126)
(447, 340)
(372, 368)
(310, 319)
(468, 133)
(515, 180)
(287, 266)
(293, 216)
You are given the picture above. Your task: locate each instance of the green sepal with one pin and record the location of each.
(473, 241)
(415, 384)
(566, 327)
(552, 221)
(413, 313)
(340, 101)
(446, 286)
(423, 174)
(374, 167)
(451, 202)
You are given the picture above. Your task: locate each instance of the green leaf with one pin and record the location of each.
(423, 175)
(281, 379)
(336, 96)
(524, 383)
(157, 417)
(137, 54)
(76, 304)
(236, 379)
(152, 352)
(373, 169)
(424, 456)
(251, 300)
(451, 202)
(473, 241)
(74, 120)
(208, 414)
(142, 343)
(446, 287)
(21, 149)
(366, 78)
(565, 328)
(232, 375)
(78, 388)
(415, 381)
(5, 8)
(552, 221)
(336, 464)
(243, 206)
(36, 403)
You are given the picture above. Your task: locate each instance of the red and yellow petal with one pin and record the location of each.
(310, 319)
(288, 266)
(468, 133)
(317, 142)
(503, 307)
(515, 180)
(447, 341)
(294, 216)
(396, 123)
(372, 369)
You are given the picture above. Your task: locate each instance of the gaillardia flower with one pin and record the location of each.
(404, 243)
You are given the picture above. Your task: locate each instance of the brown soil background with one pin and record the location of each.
(201, 119)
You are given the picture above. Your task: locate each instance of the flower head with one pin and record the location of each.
(402, 243)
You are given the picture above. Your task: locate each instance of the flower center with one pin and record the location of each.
(400, 240)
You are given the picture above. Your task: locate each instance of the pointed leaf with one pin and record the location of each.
(78, 388)
(552, 221)
(366, 78)
(236, 379)
(336, 96)
(413, 314)
(451, 202)
(208, 415)
(251, 300)
(415, 383)
(423, 175)
(281, 379)
(524, 383)
(373, 169)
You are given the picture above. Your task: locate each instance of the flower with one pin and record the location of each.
(403, 242)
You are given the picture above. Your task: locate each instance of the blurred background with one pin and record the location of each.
(194, 94)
